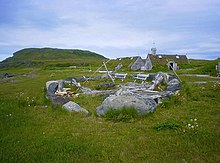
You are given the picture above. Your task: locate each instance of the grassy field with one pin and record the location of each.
(31, 133)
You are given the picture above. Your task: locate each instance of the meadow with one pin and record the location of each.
(182, 129)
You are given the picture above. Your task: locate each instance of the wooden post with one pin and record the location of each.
(108, 72)
(96, 71)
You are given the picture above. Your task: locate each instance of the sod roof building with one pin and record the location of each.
(172, 61)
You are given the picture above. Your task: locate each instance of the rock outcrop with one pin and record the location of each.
(143, 106)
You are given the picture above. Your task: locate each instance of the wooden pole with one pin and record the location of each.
(108, 72)
(97, 70)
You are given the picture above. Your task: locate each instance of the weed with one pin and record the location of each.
(186, 89)
(172, 102)
(190, 125)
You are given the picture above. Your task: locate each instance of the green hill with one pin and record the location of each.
(46, 56)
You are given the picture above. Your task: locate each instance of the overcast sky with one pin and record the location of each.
(113, 28)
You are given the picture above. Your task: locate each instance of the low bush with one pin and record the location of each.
(125, 114)
(169, 125)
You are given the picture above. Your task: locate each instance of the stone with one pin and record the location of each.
(173, 85)
(59, 82)
(143, 106)
(104, 76)
(51, 89)
(106, 86)
(6, 75)
(59, 100)
(118, 66)
(81, 78)
(72, 106)
(70, 79)
(97, 77)
(53, 86)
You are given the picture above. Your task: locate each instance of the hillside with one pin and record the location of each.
(46, 56)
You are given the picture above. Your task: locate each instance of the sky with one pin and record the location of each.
(113, 28)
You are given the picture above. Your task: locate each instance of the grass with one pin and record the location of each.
(121, 115)
(32, 133)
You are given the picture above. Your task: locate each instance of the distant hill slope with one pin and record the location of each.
(38, 56)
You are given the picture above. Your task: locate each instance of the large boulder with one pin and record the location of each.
(143, 106)
(59, 82)
(72, 106)
(53, 86)
(51, 89)
(173, 85)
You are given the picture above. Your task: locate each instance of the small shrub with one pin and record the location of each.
(172, 102)
(169, 125)
(124, 114)
(165, 104)
(186, 90)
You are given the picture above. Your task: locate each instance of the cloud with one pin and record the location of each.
(99, 34)
(107, 26)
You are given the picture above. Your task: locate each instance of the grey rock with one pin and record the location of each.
(59, 82)
(106, 86)
(70, 79)
(118, 66)
(173, 85)
(171, 77)
(104, 76)
(86, 90)
(143, 106)
(59, 100)
(6, 75)
(52, 88)
(97, 77)
(72, 106)
(81, 78)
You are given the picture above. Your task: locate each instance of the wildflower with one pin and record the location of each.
(189, 125)
(197, 125)
(191, 120)
(195, 119)
(10, 115)
(192, 126)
